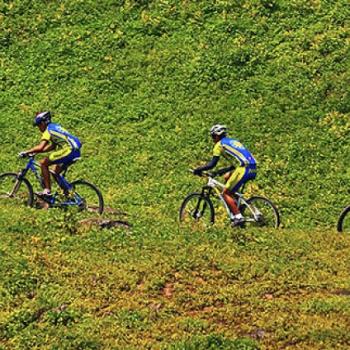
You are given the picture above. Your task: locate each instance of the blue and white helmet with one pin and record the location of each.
(218, 130)
(42, 117)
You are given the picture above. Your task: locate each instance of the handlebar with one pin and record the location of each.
(204, 173)
(26, 155)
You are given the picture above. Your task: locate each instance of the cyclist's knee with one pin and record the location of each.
(227, 192)
(45, 162)
(57, 169)
(227, 176)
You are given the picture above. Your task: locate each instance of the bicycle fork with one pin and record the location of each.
(198, 212)
(241, 201)
(16, 186)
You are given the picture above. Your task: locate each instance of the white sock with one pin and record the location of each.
(239, 216)
(46, 191)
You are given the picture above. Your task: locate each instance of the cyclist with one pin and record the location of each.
(65, 147)
(235, 177)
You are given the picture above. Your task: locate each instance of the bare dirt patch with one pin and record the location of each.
(104, 223)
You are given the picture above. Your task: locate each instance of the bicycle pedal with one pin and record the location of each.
(238, 223)
(259, 218)
(46, 198)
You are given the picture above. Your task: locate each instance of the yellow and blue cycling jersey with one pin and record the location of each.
(60, 137)
(233, 149)
(67, 144)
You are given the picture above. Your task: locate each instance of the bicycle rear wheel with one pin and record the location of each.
(18, 191)
(87, 196)
(197, 208)
(344, 220)
(262, 212)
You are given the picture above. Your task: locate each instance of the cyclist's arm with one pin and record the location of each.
(208, 166)
(49, 147)
(39, 148)
(225, 170)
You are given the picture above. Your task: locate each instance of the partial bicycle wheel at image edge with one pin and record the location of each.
(197, 209)
(343, 224)
(88, 196)
(16, 190)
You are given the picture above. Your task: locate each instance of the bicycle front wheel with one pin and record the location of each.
(18, 191)
(261, 212)
(87, 196)
(197, 208)
(344, 220)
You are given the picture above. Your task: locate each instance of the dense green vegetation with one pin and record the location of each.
(141, 82)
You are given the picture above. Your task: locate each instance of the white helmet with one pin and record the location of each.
(218, 130)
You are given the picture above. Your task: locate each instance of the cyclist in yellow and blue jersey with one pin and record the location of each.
(235, 177)
(65, 146)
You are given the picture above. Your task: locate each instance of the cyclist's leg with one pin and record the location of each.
(57, 168)
(231, 186)
(44, 164)
(235, 184)
(63, 159)
(227, 176)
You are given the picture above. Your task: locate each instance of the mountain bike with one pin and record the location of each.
(198, 206)
(343, 224)
(79, 193)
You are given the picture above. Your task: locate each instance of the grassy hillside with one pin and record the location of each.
(141, 82)
(166, 288)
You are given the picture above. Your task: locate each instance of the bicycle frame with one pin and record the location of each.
(217, 187)
(33, 166)
(78, 193)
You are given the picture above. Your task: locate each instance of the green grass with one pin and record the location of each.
(171, 287)
(141, 83)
